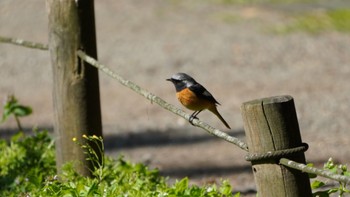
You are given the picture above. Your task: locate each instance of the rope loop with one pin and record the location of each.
(276, 154)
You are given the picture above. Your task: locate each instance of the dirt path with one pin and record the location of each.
(225, 47)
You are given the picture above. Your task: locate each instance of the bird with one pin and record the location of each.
(194, 96)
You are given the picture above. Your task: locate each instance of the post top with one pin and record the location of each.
(269, 100)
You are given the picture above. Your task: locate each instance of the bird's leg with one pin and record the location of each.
(194, 116)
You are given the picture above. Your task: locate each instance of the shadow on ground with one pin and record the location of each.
(156, 138)
(7, 133)
(144, 138)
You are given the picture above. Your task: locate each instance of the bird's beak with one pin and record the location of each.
(169, 79)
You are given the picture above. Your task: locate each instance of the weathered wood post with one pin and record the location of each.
(271, 125)
(75, 83)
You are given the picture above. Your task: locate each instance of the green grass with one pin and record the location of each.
(312, 21)
(27, 168)
(244, 2)
(318, 22)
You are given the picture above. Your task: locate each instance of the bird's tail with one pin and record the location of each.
(216, 112)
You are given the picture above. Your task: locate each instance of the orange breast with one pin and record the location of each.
(188, 99)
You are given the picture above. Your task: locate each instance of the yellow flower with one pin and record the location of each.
(74, 139)
(84, 136)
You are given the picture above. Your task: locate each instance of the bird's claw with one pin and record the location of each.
(190, 120)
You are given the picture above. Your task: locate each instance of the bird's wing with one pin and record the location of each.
(201, 92)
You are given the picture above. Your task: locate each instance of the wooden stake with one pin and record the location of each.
(75, 84)
(271, 124)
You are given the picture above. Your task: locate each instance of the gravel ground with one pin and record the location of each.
(226, 48)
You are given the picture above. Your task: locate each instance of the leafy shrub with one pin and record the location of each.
(28, 169)
(341, 189)
(25, 162)
(13, 108)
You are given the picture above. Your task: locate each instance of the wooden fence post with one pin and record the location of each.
(75, 83)
(271, 124)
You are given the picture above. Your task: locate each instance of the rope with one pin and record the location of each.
(155, 99)
(276, 154)
(324, 173)
(148, 95)
(21, 42)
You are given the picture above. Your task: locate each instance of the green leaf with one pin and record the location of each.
(333, 190)
(226, 188)
(237, 194)
(6, 113)
(347, 173)
(17, 137)
(12, 107)
(312, 176)
(321, 194)
(317, 184)
(334, 170)
(21, 110)
(182, 185)
(310, 165)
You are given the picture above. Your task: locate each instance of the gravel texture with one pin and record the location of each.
(227, 48)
